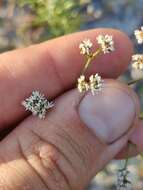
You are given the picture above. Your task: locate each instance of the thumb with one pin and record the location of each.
(75, 141)
(111, 113)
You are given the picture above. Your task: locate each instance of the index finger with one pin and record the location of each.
(53, 67)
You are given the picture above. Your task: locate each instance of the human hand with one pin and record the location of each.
(82, 133)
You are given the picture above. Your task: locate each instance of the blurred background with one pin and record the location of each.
(25, 22)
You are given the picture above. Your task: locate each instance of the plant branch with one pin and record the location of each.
(90, 59)
(134, 81)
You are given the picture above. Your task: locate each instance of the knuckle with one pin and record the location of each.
(45, 160)
(75, 151)
(50, 158)
(58, 156)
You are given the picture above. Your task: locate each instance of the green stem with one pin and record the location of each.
(141, 154)
(141, 115)
(89, 60)
(135, 147)
(86, 65)
(134, 81)
(97, 52)
(127, 159)
(126, 163)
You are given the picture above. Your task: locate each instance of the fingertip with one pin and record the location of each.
(53, 68)
(68, 57)
(111, 113)
(124, 51)
(115, 63)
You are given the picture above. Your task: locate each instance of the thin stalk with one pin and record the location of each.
(89, 60)
(126, 163)
(141, 154)
(141, 115)
(127, 159)
(97, 52)
(86, 65)
(135, 146)
(134, 81)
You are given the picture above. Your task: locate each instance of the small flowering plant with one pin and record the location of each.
(122, 181)
(95, 83)
(106, 45)
(37, 104)
(137, 61)
(85, 47)
(139, 35)
(106, 42)
(82, 84)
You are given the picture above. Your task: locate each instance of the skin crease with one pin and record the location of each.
(16, 68)
(60, 152)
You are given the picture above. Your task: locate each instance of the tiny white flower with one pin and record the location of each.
(137, 61)
(106, 42)
(85, 47)
(37, 104)
(122, 181)
(82, 84)
(139, 35)
(95, 83)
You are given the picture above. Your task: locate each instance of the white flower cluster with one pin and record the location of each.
(106, 42)
(95, 84)
(137, 61)
(85, 47)
(37, 104)
(122, 182)
(82, 84)
(139, 35)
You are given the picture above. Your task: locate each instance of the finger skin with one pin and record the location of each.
(129, 151)
(136, 140)
(135, 145)
(52, 68)
(137, 137)
(59, 152)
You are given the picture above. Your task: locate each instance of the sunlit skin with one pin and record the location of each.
(59, 152)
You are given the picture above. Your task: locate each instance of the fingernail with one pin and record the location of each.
(109, 113)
